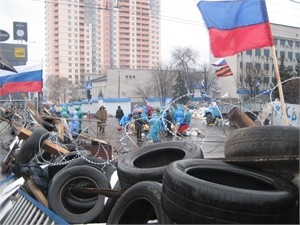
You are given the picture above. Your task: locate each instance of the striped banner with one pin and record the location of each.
(224, 72)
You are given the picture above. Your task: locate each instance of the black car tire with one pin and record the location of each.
(103, 217)
(263, 141)
(149, 163)
(103, 165)
(70, 177)
(139, 204)
(31, 145)
(211, 191)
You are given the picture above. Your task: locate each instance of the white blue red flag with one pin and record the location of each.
(220, 62)
(28, 79)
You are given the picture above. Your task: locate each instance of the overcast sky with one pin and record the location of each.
(182, 24)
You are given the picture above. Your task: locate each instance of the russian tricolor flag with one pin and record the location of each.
(236, 25)
(28, 79)
(220, 62)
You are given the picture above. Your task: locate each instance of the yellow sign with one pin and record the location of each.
(20, 52)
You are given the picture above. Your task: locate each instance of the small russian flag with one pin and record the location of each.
(220, 62)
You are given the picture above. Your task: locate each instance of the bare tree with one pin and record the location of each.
(145, 91)
(185, 60)
(57, 88)
(163, 82)
(253, 78)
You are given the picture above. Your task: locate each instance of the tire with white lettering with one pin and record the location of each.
(263, 141)
(199, 191)
(150, 162)
(139, 204)
(77, 177)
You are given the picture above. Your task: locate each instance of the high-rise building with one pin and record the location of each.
(91, 36)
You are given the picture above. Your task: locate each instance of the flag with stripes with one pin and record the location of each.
(236, 25)
(28, 79)
(224, 72)
(220, 62)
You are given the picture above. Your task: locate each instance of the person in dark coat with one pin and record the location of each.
(138, 124)
(168, 118)
(119, 114)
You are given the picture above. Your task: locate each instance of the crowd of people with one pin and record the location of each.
(158, 121)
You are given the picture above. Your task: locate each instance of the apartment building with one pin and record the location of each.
(92, 36)
(260, 61)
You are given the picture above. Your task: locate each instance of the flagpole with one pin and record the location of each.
(283, 106)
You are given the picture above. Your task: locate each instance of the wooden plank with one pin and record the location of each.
(240, 119)
(93, 139)
(47, 145)
(53, 148)
(38, 194)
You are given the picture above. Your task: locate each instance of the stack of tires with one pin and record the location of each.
(171, 182)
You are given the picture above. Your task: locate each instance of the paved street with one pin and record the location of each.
(211, 139)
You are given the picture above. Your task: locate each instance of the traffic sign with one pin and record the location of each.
(88, 86)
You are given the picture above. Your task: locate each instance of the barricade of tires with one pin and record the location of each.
(171, 182)
(169, 188)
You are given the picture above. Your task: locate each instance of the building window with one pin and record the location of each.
(249, 52)
(257, 66)
(257, 52)
(290, 55)
(266, 67)
(266, 52)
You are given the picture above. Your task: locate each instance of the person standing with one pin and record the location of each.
(101, 115)
(64, 113)
(80, 115)
(169, 122)
(125, 121)
(74, 125)
(155, 127)
(138, 124)
(119, 114)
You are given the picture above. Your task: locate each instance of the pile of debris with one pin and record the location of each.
(41, 154)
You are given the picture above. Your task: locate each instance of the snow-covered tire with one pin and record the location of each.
(209, 191)
(139, 204)
(149, 163)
